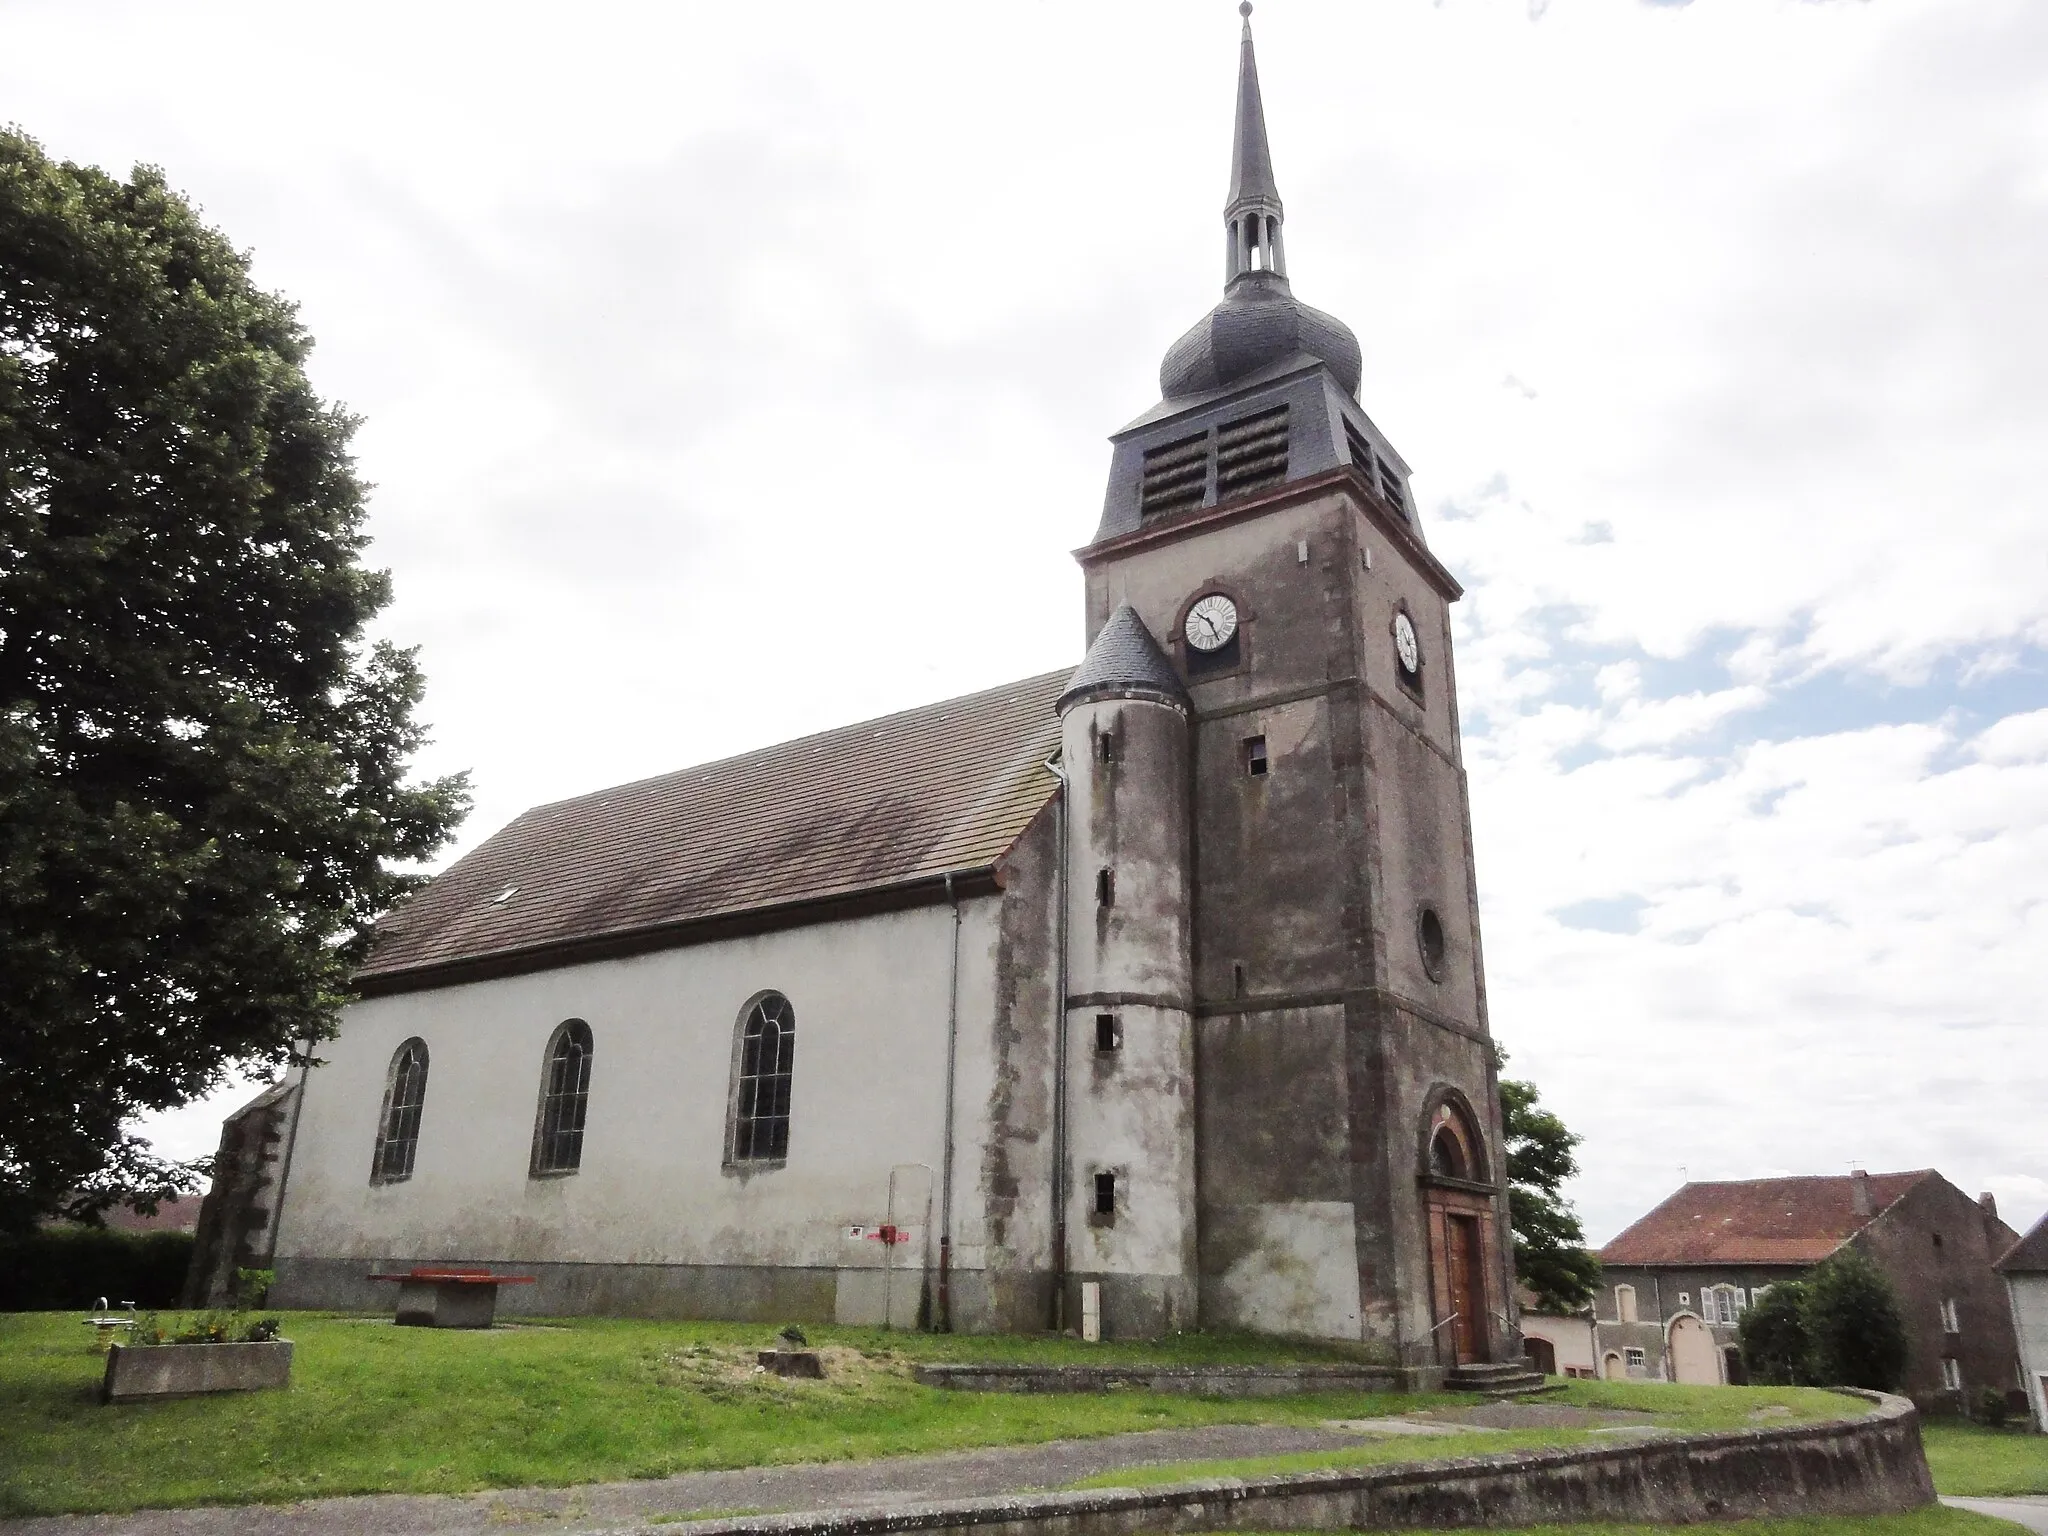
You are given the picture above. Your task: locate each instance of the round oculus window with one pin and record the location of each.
(1211, 622)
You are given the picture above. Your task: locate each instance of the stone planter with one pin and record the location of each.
(140, 1371)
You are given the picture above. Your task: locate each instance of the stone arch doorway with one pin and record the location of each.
(1695, 1358)
(1611, 1366)
(1464, 1247)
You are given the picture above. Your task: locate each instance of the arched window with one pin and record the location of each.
(1447, 1154)
(1453, 1149)
(760, 1100)
(398, 1123)
(564, 1099)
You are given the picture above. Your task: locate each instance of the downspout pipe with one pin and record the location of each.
(1059, 1057)
(945, 1319)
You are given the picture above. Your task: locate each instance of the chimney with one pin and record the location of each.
(1988, 1204)
(1859, 1193)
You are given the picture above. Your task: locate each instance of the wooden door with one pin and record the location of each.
(1468, 1289)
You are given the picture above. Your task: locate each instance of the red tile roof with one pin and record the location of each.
(886, 803)
(1756, 1221)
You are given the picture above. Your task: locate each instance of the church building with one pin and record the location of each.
(1151, 987)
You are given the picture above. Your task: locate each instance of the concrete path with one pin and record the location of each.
(2030, 1510)
(807, 1486)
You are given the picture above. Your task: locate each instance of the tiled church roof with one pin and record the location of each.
(1756, 1221)
(872, 807)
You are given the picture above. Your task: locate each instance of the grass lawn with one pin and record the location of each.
(373, 1408)
(1970, 1460)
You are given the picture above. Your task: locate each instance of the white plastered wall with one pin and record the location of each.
(2030, 1322)
(870, 997)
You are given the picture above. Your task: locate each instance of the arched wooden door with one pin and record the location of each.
(1458, 1205)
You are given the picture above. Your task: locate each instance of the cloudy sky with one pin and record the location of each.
(732, 371)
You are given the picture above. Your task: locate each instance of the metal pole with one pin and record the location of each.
(945, 1317)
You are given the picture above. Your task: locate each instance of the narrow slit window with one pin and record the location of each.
(1105, 888)
(767, 1057)
(1237, 979)
(1255, 756)
(1106, 745)
(1105, 1194)
(398, 1125)
(1109, 1033)
(564, 1101)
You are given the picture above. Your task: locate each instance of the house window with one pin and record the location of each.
(1952, 1374)
(564, 1099)
(1636, 1359)
(1721, 1304)
(1109, 1033)
(1950, 1322)
(1105, 887)
(1106, 745)
(1447, 1154)
(1255, 756)
(760, 1101)
(398, 1124)
(1625, 1306)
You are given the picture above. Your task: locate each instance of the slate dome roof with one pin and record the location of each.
(1259, 322)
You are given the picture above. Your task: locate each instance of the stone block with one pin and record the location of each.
(137, 1371)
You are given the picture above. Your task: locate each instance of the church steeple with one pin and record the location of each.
(1253, 216)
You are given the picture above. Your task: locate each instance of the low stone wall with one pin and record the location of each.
(1865, 1466)
(1194, 1381)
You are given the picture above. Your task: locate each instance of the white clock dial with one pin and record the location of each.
(1211, 623)
(1405, 645)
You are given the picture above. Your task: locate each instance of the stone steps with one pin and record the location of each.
(1507, 1378)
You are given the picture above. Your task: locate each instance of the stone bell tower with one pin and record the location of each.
(1302, 1108)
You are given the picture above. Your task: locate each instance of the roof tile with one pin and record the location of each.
(911, 796)
(1756, 1221)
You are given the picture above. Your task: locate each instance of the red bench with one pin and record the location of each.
(444, 1296)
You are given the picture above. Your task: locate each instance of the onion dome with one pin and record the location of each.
(1260, 322)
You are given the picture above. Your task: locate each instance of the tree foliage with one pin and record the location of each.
(1855, 1335)
(1772, 1333)
(1551, 1257)
(1838, 1327)
(203, 762)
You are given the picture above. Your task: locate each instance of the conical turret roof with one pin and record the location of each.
(1124, 659)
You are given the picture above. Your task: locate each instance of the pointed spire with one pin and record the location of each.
(1252, 217)
(1124, 662)
(1251, 157)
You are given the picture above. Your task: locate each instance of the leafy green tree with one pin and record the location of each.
(1772, 1332)
(203, 761)
(1551, 1257)
(1855, 1335)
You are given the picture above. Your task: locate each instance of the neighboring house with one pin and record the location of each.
(1674, 1284)
(1156, 983)
(1558, 1344)
(2025, 1270)
(179, 1215)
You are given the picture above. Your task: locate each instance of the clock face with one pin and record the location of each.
(1405, 645)
(1211, 623)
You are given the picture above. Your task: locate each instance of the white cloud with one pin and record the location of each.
(733, 371)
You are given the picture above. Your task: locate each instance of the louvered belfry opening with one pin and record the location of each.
(1251, 453)
(1176, 476)
(1377, 470)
